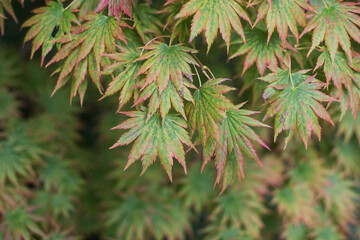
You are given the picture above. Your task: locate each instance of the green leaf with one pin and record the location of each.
(10, 106)
(5, 5)
(146, 22)
(43, 25)
(179, 28)
(83, 51)
(56, 175)
(57, 235)
(235, 135)
(342, 76)
(166, 63)
(124, 68)
(347, 154)
(156, 137)
(240, 209)
(340, 197)
(20, 223)
(334, 23)
(309, 170)
(350, 98)
(58, 204)
(295, 232)
(266, 53)
(84, 7)
(296, 203)
(337, 70)
(283, 14)
(19, 153)
(13, 165)
(163, 102)
(349, 127)
(211, 15)
(195, 188)
(9, 68)
(294, 100)
(208, 109)
(328, 232)
(138, 217)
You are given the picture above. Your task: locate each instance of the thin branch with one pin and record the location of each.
(142, 51)
(197, 73)
(68, 6)
(290, 75)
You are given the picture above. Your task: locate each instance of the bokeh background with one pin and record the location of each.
(59, 180)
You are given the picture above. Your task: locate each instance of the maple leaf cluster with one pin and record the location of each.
(160, 79)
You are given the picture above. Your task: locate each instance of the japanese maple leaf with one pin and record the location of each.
(349, 98)
(211, 15)
(266, 53)
(5, 5)
(124, 68)
(155, 137)
(166, 63)
(146, 22)
(180, 28)
(283, 14)
(46, 20)
(115, 7)
(208, 109)
(338, 70)
(83, 51)
(334, 23)
(20, 223)
(235, 136)
(344, 78)
(296, 202)
(163, 102)
(340, 198)
(294, 100)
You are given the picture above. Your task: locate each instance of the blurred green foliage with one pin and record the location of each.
(59, 180)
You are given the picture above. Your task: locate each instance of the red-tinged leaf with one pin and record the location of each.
(155, 137)
(337, 71)
(115, 7)
(296, 107)
(124, 68)
(163, 64)
(208, 109)
(88, 43)
(79, 77)
(211, 15)
(334, 23)
(265, 53)
(236, 140)
(49, 23)
(344, 78)
(283, 14)
(350, 99)
(170, 97)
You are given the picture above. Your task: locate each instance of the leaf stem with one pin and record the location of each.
(197, 73)
(326, 5)
(68, 6)
(291, 79)
(290, 75)
(204, 68)
(142, 51)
